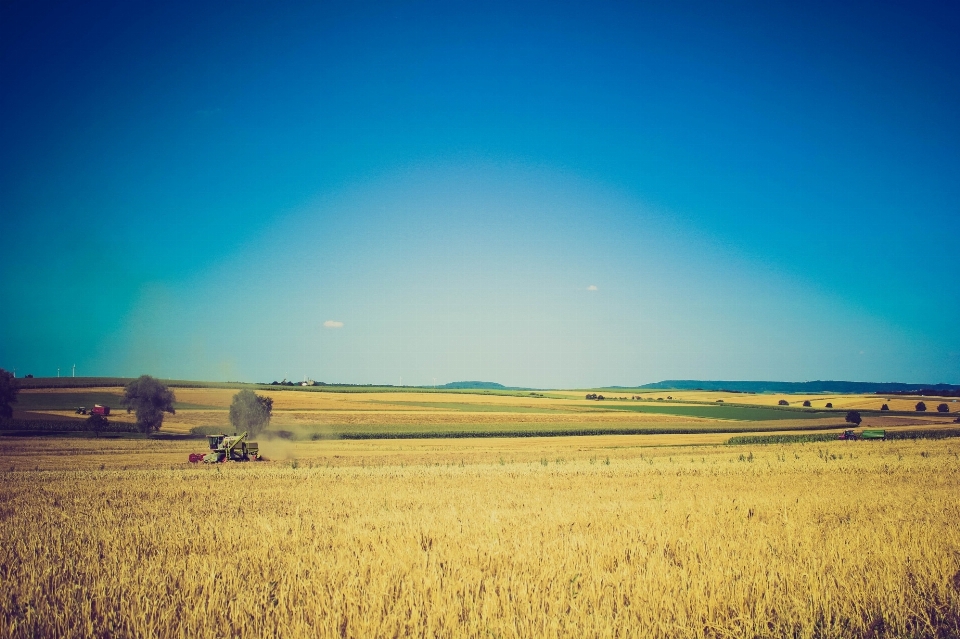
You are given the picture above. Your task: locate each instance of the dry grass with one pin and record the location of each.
(482, 538)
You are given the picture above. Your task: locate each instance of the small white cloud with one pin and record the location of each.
(332, 324)
(592, 287)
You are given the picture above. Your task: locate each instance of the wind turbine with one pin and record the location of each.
(74, 374)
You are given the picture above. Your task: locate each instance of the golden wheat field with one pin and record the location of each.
(559, 537)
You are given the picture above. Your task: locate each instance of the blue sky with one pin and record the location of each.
(535, 194)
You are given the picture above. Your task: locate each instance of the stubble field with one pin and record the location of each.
(561, 537)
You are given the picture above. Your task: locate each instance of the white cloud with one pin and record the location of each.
(592, 287)
(332, 324)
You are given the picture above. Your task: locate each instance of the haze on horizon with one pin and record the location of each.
(537, 195)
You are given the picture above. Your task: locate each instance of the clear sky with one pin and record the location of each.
(547, 195)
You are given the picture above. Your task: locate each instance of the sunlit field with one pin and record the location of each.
(326, 413)
(557, 537)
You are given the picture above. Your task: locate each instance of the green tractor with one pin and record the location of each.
(224, 448)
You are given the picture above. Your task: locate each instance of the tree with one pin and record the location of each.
(921, 407)
(806, 403)
(943, 408)
(783, 402)
(97, 424)
(250, 412)
(8, 393)
(829, 405)
(149, 399)
(853, 417)
(884, 407)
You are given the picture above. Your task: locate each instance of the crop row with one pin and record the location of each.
(943, 433)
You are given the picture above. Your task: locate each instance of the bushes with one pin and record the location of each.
(783, 402)
(943, 408)
(921, 407)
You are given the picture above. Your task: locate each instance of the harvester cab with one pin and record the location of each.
(224, 448)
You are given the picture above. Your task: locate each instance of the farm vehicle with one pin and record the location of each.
(97, 409)
(867, 434)
(224, 448)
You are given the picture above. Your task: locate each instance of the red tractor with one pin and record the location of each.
(848, 435)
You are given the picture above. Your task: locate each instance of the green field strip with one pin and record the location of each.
(726, 412)
(932, 433)
(566, 432)
(393, 431)
(469, 407)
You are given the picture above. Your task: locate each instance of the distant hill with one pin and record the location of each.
(799, 387)
(474, 386)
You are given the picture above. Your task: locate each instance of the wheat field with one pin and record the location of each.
(570, 537)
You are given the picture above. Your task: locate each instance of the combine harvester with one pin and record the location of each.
(225, 448)
(96, 410)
